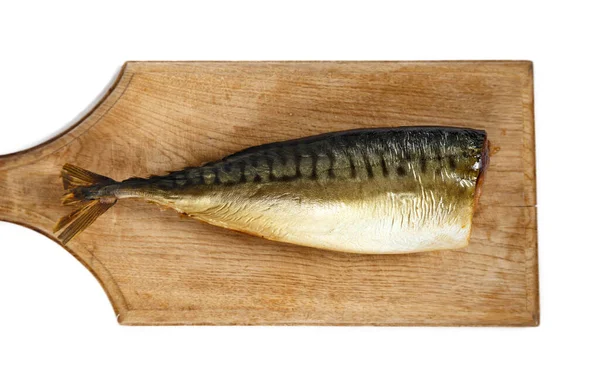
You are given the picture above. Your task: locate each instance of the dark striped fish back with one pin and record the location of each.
(357, 154)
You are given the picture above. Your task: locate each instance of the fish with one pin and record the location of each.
(372, 191)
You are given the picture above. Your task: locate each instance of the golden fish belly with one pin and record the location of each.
(377, 216)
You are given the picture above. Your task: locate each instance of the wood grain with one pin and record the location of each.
(158, 268)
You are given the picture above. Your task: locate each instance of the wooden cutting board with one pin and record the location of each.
(159, 268)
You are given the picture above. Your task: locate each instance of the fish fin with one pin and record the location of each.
(81, 218)
(74, 176)
(69, 198)
(66, 220)
(82, 187)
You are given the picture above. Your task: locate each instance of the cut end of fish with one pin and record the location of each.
(484, 163)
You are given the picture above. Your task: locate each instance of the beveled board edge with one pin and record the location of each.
(529, 163)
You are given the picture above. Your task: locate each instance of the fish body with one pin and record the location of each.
(387, 190)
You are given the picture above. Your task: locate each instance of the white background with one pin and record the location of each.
(57, 58)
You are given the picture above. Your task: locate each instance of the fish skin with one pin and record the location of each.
(400, 173)
(387, 190)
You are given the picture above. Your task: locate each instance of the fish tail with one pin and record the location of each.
(90, 192)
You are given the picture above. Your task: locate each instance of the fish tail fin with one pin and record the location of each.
(83, 190)
(81, 218)
(74, 176)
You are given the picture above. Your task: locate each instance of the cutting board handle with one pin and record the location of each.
(12, 185)
(4, 192)
(25, 176)
(23, 193)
